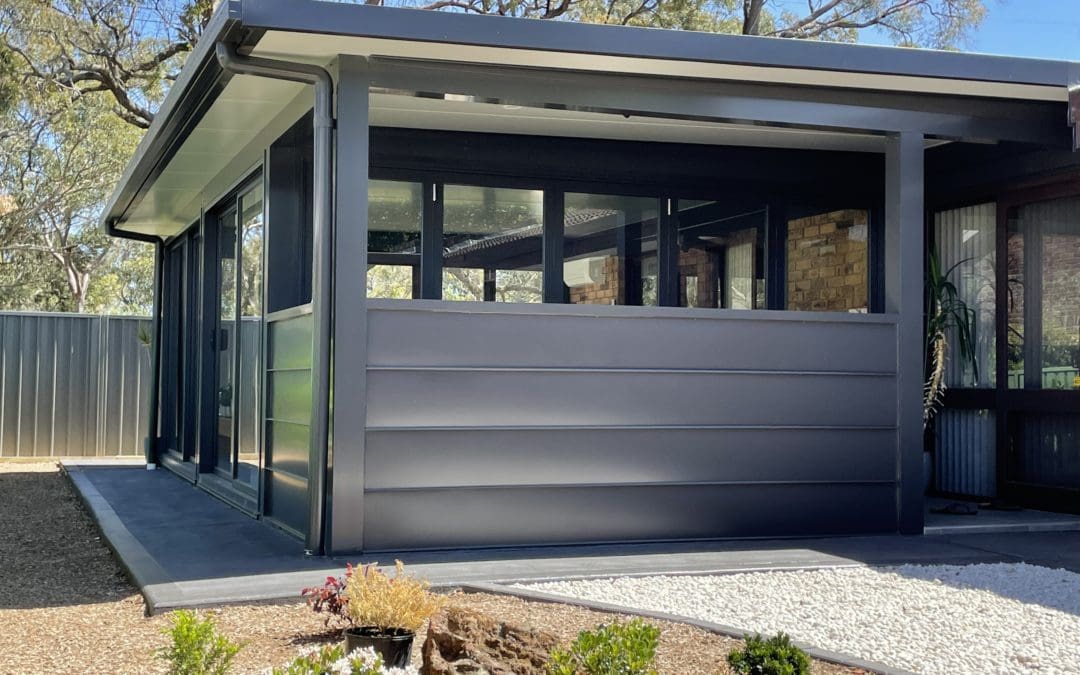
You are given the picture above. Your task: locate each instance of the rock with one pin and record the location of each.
(465, 641)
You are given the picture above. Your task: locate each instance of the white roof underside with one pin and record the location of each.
(251, 112)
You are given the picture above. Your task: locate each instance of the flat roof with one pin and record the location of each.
(318, 31)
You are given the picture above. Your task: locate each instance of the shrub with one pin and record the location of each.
(623, 648)
(375, 599)
(197, 648)
(332, 659)
(330, 597)
(775, 656)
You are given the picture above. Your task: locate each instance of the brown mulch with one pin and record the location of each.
(65, 606)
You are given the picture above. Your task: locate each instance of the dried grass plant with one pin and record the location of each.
(401, 601)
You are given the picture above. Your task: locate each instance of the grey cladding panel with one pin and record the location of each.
(409, 398)
(435, 458)
(522, 516)
(498, 426)
(407, 337)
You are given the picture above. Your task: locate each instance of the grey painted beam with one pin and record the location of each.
(715, 101)
(346, 494)
(904, 179)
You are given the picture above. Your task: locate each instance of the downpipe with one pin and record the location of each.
(321, 272)
(150, 442)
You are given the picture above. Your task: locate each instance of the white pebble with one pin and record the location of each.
(949, 619)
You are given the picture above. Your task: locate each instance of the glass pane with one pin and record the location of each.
(1044, 295)
(492, 244)
(721, 257)
(226, 343)
(964, 241)
(249, 338)
(610, 249)
(390, 281)
(1045, 449)
(965, 452)
(827, 262)
(395, 213)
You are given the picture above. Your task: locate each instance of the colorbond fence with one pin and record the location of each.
(72, 385)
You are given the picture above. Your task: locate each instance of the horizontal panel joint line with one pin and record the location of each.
(640, 427)
(646, 484)
(659, 371)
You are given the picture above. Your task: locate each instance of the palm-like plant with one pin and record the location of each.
(946, 312)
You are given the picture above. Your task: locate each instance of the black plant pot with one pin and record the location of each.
(393, 645)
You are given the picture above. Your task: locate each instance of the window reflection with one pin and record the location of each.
(395, 212)
(827, 262)
(492, 244)
(609, 249)
(721, 256)
(1044, 295)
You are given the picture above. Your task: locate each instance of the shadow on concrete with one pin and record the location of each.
(195, 550)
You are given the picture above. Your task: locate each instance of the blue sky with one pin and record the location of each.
(1040, 28)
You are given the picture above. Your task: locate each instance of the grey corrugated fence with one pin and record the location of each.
(72, 385)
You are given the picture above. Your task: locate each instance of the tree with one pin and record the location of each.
(61, 163)
(81, 79)
(127, 50)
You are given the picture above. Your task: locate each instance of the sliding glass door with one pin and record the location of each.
(233, 461)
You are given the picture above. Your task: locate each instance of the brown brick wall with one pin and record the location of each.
(827, 262)
(609, 291)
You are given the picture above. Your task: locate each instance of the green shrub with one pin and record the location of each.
(197, 648)
(775, 656)
(618, 648)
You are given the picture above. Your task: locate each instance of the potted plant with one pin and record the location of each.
(381, 612)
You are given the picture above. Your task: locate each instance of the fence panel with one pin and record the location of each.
(72, 385)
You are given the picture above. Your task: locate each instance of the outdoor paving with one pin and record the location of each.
(185, 548)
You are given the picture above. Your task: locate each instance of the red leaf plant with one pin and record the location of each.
(330, 597)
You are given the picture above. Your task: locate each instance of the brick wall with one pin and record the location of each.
(827, 262)
(609, 290)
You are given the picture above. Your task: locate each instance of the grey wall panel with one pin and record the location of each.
(72, 385)
(605, 337)
(410, 398)
(493, 425)
(435, 458)
(521, 516)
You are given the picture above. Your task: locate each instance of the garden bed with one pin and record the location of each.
(65, 605)
(948, 619)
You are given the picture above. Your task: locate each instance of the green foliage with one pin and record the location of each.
(946, 314)
(617, 648)
(774, 656)
(197, 648)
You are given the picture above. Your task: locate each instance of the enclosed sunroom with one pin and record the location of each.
(430, 280)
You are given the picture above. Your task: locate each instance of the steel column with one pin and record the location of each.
(344, 515)
(904, 297)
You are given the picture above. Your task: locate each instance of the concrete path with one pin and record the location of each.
(185, 548)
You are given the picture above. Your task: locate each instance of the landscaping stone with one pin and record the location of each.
(464, 641)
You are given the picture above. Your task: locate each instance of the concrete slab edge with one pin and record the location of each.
(721, 629)
(158, 589)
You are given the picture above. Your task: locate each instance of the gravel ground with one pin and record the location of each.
(65, 606)
(979, 619)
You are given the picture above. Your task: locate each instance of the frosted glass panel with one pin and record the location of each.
(964, 240)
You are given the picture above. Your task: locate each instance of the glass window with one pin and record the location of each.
(249, 336)
(827, 262)
(721, 257)
(964, 242)
(1044, 295)
(395, 212)
(609, 249)
(492, 244)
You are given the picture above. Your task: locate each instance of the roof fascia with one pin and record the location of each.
(199, 82)
(564, 36)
